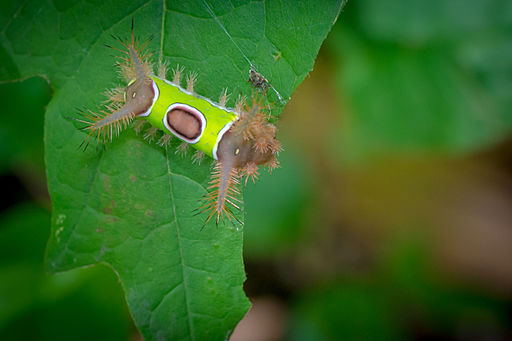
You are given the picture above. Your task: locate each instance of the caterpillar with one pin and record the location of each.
(239, 139)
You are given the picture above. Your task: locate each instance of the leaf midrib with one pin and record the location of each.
(173, 203)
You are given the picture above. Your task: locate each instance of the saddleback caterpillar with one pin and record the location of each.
(238, 139)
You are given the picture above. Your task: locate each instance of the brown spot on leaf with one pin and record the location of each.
(106, 183)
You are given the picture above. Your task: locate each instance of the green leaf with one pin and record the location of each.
(130, 205)
(423, 77)
(87, 303)
(21, 143)
(353, 309)
(431, 21)
(277, 206)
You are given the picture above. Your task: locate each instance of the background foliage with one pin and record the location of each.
(389, 218)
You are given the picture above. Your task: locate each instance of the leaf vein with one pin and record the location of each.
(173, 202)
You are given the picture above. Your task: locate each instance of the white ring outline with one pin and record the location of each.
(219, 137)
(190, 110)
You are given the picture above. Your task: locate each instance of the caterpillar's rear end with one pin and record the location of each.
(248, 144)
(240, 139)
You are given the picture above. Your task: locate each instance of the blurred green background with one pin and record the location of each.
(390, 218)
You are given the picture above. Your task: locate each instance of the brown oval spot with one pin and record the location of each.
(184, 123)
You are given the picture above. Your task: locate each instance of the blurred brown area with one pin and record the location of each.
(264, 321)
(454, 207)
(464, 201)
